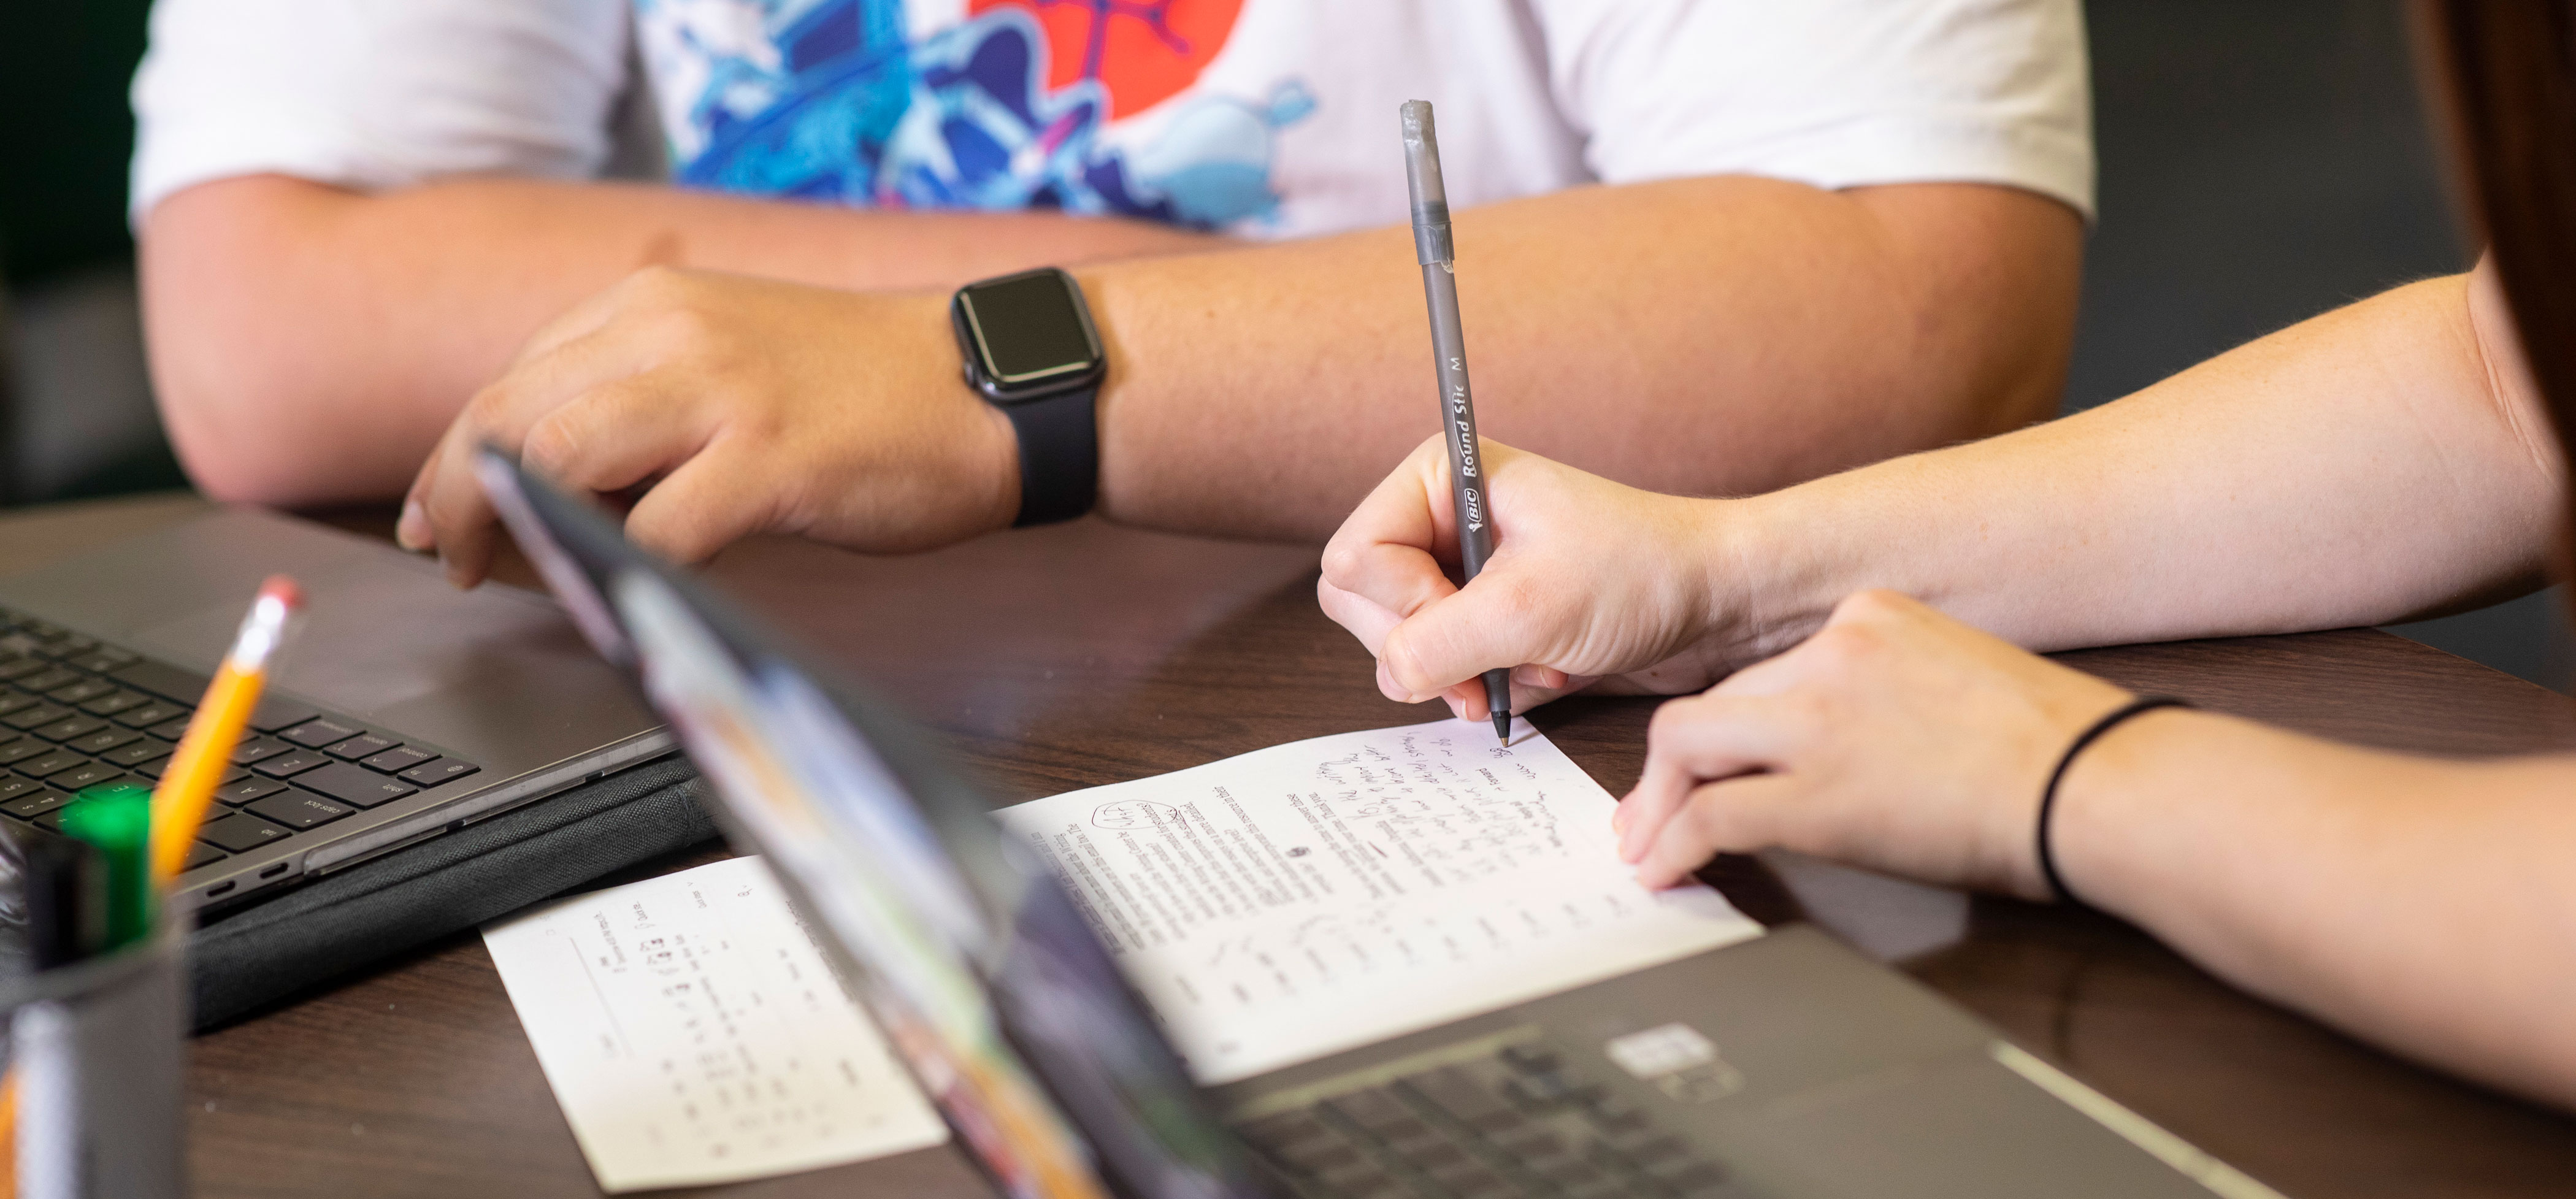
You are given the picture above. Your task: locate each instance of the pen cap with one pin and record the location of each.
(117, 822)
(1431, 242)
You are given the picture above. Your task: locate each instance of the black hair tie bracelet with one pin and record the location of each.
(2048, 798)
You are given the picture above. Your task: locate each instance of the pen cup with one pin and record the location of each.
(98, 1051)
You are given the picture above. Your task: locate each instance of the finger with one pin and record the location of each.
(1366, 619)
(1540, 678)
(618, 434)
(1531, 685)
(1694, 741)
(460, 519)
(721, 496)
(1471, 702)
(1467, 699)
(1506, 617)
(1388, 687)
(453, 505)
(1390, 549)
(1527, 695)
(413, 531)
(1720, 817)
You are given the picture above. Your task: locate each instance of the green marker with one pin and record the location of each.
(116, 819)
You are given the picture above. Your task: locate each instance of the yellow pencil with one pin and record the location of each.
(9, 1135)
(188, 787)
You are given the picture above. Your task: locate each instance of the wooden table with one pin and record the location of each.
(1069, 657)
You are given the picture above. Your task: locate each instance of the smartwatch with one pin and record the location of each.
(1030, 348)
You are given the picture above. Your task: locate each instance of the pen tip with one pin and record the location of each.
(1502, 726)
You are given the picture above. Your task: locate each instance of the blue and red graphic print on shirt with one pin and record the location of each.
(832, 99)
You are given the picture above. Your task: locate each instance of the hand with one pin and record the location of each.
(1894, 738)
(1590, 582)
(742, 406)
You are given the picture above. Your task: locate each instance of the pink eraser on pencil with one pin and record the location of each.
(283, 590)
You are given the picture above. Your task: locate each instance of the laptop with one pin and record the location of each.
(1787, 1065)
(404, 708)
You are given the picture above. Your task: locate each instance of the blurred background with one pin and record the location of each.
(78, 419)
(2261, 163)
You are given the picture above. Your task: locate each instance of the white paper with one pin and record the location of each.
(695, 1035)
(1312, 897)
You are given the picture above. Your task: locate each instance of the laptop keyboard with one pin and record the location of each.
(77, 716)
(1516, 1123)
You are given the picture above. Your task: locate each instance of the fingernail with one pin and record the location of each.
(412, 531)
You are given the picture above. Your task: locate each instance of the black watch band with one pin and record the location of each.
(1059, 455)
(1027, 344)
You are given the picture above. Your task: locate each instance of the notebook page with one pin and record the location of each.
(694, 1035)
(1299, 900)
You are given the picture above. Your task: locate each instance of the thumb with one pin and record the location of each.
(709, 502)
(1495, 622)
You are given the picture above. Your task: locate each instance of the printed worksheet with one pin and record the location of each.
(695, 1035)
(1307, 898)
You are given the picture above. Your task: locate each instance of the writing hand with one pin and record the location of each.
(1591, 584)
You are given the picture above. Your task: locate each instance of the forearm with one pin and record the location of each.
(1703, 336)
(2426, 905)
(309, 344)
(2376, 463)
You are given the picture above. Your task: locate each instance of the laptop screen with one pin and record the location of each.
(971, 955)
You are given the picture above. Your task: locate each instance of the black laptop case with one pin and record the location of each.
(243, 960)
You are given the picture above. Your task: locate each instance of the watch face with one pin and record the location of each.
(1030, 329)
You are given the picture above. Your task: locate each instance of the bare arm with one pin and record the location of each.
(309, 343)
(2386, 461)
(2427, 905)
(1702, 335)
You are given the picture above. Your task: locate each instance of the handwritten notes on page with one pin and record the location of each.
(1312, 897)
(694, 1035)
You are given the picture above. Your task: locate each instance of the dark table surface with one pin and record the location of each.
(1080, 655)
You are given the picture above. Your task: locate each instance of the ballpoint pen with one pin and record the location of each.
(1433, 247)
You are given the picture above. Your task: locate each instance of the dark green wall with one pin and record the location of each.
(64, 66)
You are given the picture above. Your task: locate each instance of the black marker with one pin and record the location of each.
(1432, 246)
(59, 897)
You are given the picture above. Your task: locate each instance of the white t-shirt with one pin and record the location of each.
(1268, 118)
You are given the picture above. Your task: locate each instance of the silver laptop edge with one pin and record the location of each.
(496, 676)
